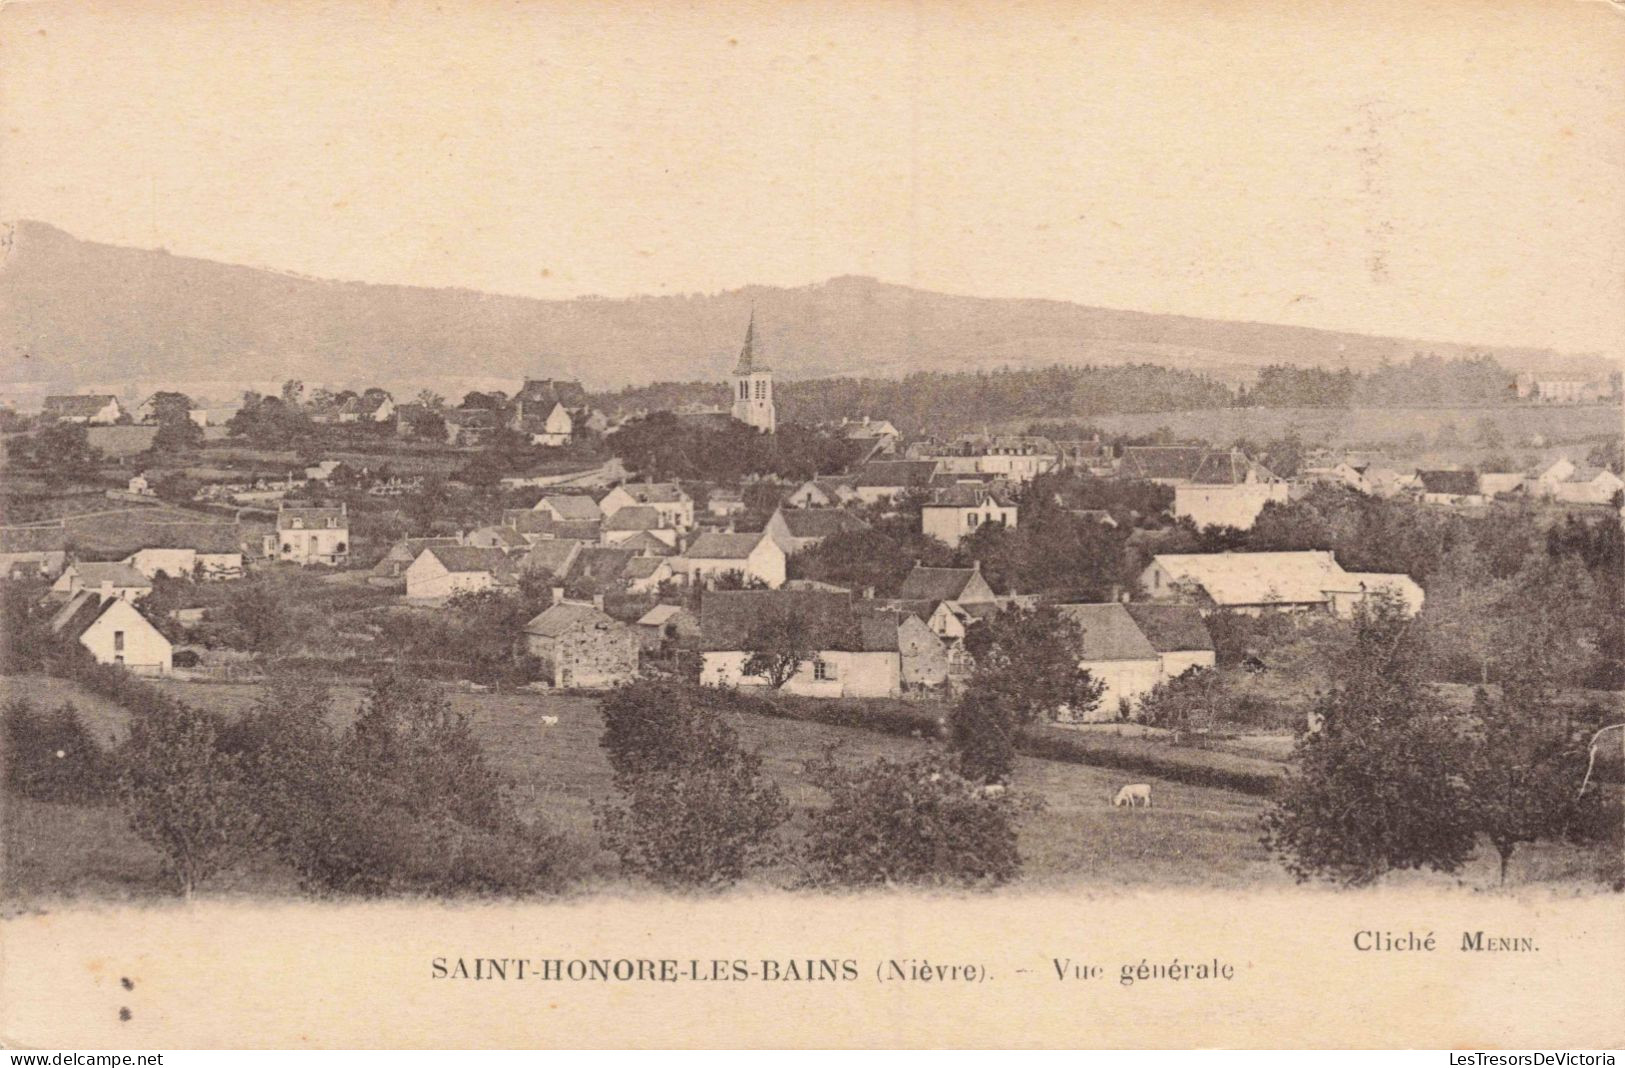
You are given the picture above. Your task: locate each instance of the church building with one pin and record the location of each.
(753, 386)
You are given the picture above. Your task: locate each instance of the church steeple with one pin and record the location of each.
(753, 385)
(748, 363)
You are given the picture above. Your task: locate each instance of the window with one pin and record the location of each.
(287, 547)
(824, 671)
(972, 519)
(744, 391)
(298, 523)
(118, 641)
(761, 389)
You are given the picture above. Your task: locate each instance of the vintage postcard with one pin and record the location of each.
(829, 523)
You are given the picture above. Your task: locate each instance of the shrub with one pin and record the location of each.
(186, 658)
(696, 808)
(50, 756)
(908, 822)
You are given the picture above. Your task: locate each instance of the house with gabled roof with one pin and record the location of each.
(962, 585)
(645, 573)
(1450, 487)
(33, 551)
(1253, 583)
(647, 543)
(311, 534)
(400, 555)
(552, 556)
(445, 570)
(627, 521)
(852, 655)
(580, 647)
(550, 426)
(500, 536)
(823, 492)
(1178, 633)
(568, 507)
(883, 480)
(115, 632)
(668, 498)
(93, 409)
(538, 526)
(189, 550)
(598, 570)
(1117, 654)
(110, 579)
(954, 513)
(751, 556)
(798, 529)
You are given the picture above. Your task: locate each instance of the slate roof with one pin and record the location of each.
(314, 518)
(1109, 632)
(566, 616)
(820, 522)
(574, 507)
(727, 618)
(969, 496)
(552, 556)
(656, 492)
(550, 391)
(646, 544)
(76, 616)
(1162, 461)
(1454, 483)
(77, 405)
(91, 575)
(935, 583)
(472, 417)
(1172, 628)
(467, 558)
(526, 521)
(507, 536)
(888, 473)
(717, 546)
(636, 517)
(640, 568)
(660, 615)
(599, 569)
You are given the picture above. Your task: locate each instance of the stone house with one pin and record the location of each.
(115, 632)
(752, 556)
(444, 570)
(582, 648)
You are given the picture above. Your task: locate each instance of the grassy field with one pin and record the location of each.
(1073, 840)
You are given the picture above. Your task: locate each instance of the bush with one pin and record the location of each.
(50, 756)
(696, 808)
(918, 822)
(1242, 775)
(186, 658)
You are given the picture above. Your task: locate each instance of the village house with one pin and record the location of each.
(190, 550)
(400, 555)
(877, 436)
(552, 556)
(470, 426)
(1178, 633)
(549, 426)
(310, 534)
(597, 570)
(537, 526)
(851, 655)
(373, 406)
(1084, 454)
(669, 499)
(503, 537)
(723, 502)
(883, 480)
(1566, 482)
(1117, 654)
(1254, 583)
(570, 507)
(139, 486)
(115, 579)
(1212, 487)
(830, 492)
(647, 543)
(92, 409)
(1012, 458)
(1450, 487)
(665, 624)
(115, 632)
(580, 647)
(445, 570)
(33, 552)
(925, 660)
(749, 556)
(645, 573)
(626, 521)
(961, 585)
(1562, 389)
(954, 513)
(798, 529)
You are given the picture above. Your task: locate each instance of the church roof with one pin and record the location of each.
(749, 360)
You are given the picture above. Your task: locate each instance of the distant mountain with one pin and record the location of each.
(76, 313)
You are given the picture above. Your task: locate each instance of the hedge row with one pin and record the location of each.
(904, 720)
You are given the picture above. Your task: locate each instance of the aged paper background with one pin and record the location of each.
(230, 973)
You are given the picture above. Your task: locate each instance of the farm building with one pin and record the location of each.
(750, 556)
(116, 579)
(797, 529)
(444, 570)
(1252, 583)
(1117, 654)
(581, 647)
(852, 655)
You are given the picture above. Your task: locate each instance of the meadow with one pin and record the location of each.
(1071, 837)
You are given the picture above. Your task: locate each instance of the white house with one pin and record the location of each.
(553, 429)
(822, 493)
(1587, 485)
(570, 508)
(1178, 633)
(92, 409)
(851, 655)
(444, 570)
(1117, 654)
(753, 556)
(797, 529)
(1252, 583)
(309, 535)
(115, 632)
(954, 513)
(636, 519)
(116, 579)
(667, 498)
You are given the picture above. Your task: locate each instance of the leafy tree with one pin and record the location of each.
(51, 756)
(914, 822)
(1190, 701)
(1383, 784)
(61, 454)
(183, 795)
(293, 391)
(1527, 760)
(778, 647)
(696, 808)
(431, 400)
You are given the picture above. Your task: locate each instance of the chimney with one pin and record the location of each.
(869, 593)
(976, 565)
(558, 594)
(598, 601)
(107, 590)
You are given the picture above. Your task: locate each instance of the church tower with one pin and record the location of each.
(753, 386)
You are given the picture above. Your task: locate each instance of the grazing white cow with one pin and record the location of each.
(995, 789)
(1133, 795)
(550, 721)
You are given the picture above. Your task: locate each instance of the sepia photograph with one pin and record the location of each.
(835, 523)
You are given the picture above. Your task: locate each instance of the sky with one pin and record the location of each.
(1449, 170)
